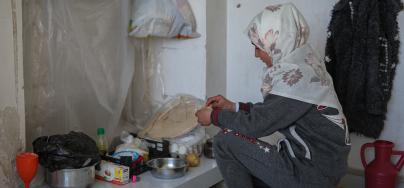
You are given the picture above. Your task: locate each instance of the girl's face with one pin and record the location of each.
(265, 58)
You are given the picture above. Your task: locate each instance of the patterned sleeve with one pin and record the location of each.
(263, 118)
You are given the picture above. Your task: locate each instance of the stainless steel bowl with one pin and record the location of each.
(168, 168)
(69, 178)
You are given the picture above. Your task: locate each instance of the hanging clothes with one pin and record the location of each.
(361, 56)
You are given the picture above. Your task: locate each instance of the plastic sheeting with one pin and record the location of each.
(82, 71)
(76, 63)
(146, 93)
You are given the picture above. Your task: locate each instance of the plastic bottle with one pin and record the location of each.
(102, 143)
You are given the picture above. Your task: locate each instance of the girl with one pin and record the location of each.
(299, 104)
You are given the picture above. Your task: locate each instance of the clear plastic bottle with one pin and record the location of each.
(102, 143)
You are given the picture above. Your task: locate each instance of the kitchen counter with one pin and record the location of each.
(203, 176)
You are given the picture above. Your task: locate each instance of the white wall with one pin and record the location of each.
(184, 61)
(12, 135)
(216, 21)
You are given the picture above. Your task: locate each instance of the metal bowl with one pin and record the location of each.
(168, 168)
(71, 178)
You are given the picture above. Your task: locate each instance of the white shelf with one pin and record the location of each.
(203, 176)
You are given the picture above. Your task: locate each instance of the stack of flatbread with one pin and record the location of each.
(176, 118)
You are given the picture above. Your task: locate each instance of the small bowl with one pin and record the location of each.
(168, 168)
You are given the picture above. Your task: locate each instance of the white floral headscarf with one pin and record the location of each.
(279, 30)
(297, 72)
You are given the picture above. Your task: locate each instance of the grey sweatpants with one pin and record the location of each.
(241, 159)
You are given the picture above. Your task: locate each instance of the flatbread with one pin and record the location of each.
(176, 120)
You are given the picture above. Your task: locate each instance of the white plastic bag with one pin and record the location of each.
(132, 147)
(162, 18)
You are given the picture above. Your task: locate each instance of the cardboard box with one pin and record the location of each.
(112, 172)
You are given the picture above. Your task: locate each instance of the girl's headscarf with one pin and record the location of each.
(279, 30)
(297, 72)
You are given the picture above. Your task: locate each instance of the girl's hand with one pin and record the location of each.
(219, 101)
(203, 115)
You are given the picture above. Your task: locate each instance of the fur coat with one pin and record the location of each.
(361, 57)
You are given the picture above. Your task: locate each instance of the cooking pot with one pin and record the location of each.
(71, 178)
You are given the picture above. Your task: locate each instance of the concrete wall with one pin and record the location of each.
(12, 129)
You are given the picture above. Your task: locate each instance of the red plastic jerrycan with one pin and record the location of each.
(381, 173)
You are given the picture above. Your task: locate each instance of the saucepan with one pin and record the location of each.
(71, 178)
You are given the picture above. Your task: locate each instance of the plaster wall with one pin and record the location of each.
(12, 129)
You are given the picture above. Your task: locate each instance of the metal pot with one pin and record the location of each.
(168, 168)
(69, 178)
(208, 149)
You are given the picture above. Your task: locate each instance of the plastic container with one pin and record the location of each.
(381, 172)
(189, 143)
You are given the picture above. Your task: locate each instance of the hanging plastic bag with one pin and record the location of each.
(162, 18)
(147, 91)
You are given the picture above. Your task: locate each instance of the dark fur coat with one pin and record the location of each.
(361, 56)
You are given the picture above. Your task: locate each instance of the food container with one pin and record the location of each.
(168, 168)
(208, 149)
(189, 143)
(71, 178)
(112, 172)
